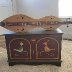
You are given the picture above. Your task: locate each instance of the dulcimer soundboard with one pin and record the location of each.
(24, 23)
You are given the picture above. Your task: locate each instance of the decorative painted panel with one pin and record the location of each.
(20, 48)
(47, 48)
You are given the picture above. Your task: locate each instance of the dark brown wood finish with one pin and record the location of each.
(39, 47)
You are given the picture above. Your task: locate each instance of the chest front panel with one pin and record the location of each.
(33, 47)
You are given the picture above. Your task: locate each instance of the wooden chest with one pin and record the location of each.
(34, 47)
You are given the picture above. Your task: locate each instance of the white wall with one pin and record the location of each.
(7, 8)
(37, 8)
(65, 10)
(14, 6)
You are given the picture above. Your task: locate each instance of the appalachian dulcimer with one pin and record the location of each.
(23, 23)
